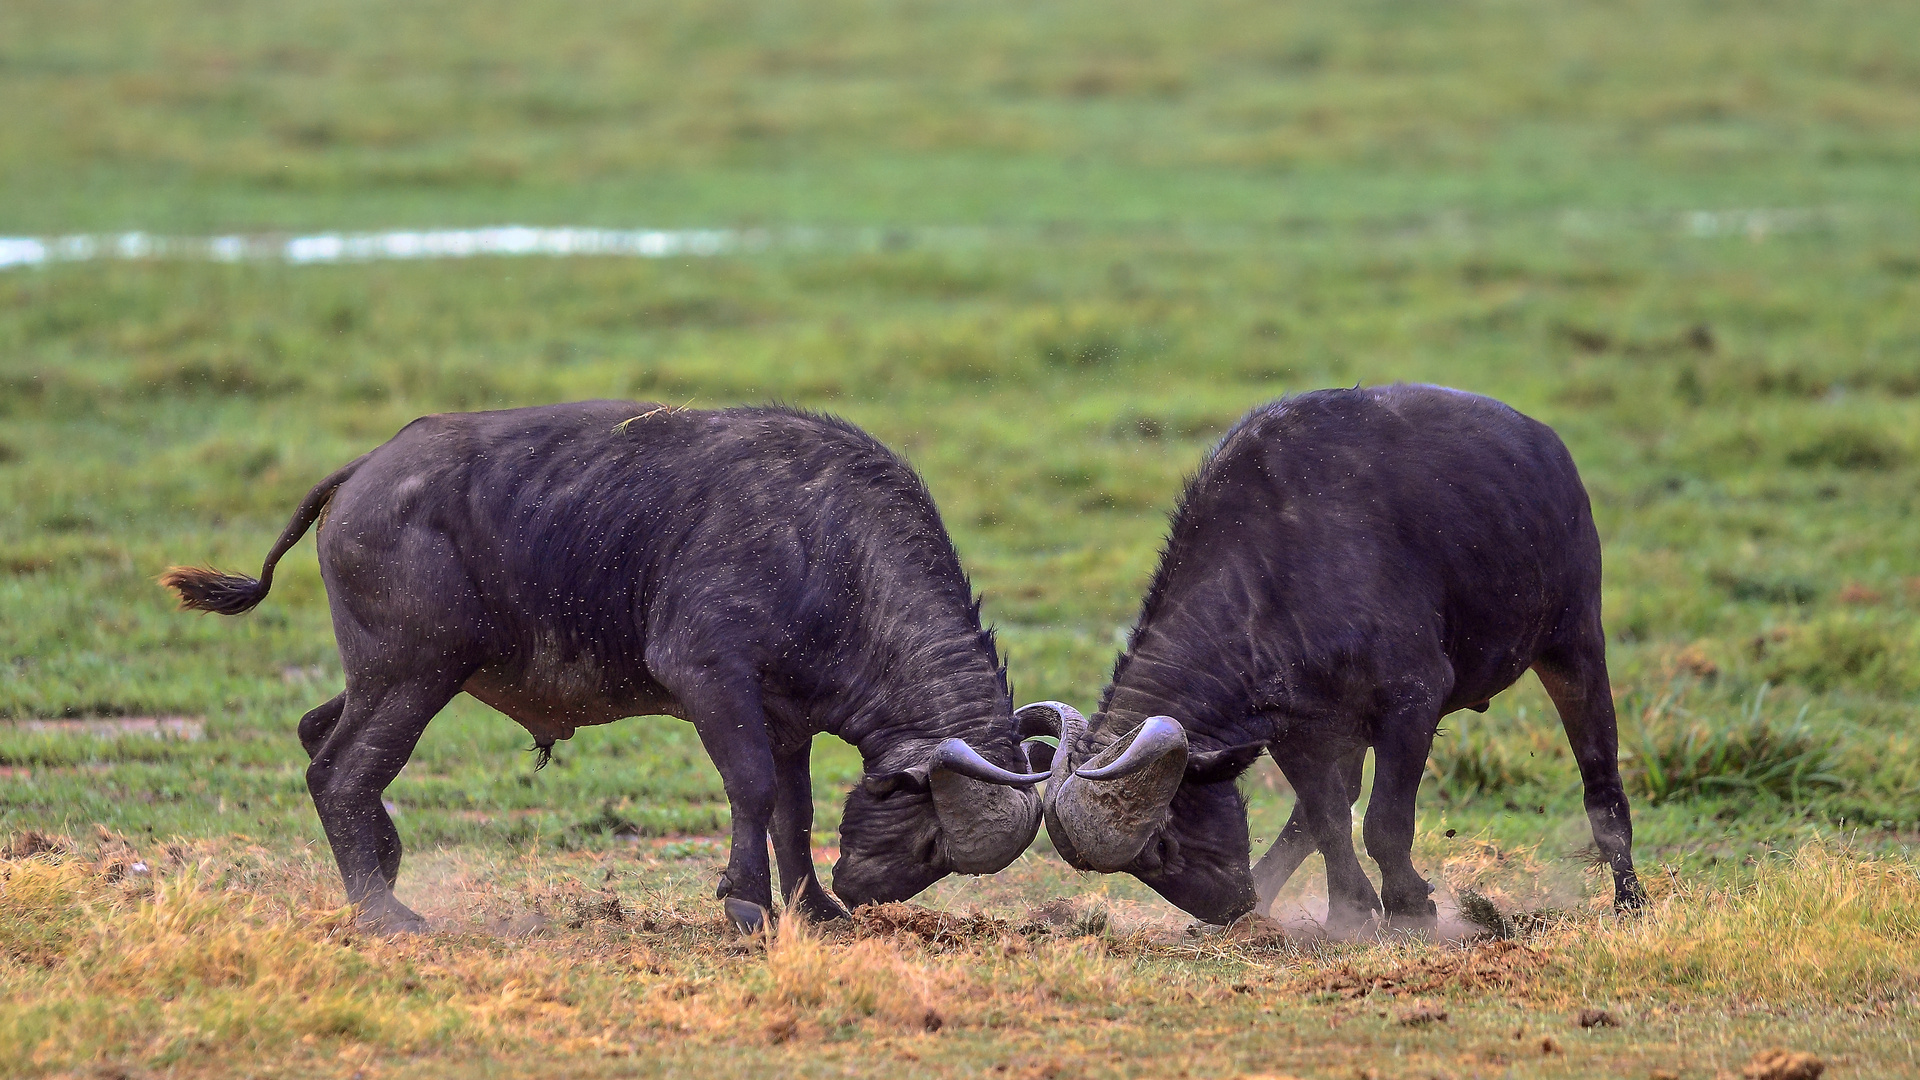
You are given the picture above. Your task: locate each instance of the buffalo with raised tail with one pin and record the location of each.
(1347, 568)
(763, 573)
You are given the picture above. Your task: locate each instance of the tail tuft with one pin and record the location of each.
(203, 588)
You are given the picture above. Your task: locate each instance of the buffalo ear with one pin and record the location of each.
(881, 785)
(1214, 766)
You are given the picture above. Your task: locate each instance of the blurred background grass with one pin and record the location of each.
(1065, 247)
(341, 114)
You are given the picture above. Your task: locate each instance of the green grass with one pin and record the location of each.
(1116, 227)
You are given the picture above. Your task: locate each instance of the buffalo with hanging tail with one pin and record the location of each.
(1347, 568)
(763, 573)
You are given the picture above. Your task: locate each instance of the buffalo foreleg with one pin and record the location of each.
(353, 762)
(727, 715)
(1325, 806)
(1295, 842)
(1402, 741)
(793, 837)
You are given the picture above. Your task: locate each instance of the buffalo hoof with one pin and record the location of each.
(1418, 914)
(1413, 923)
(1629, 896)
(1346, 923)
(745, 915)
(389, 918)
(817, 907)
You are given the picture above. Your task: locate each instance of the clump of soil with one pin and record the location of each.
(1256, 930)
(942, 929)
(1073, 917)
(119, 859)
(1482, 913)
(1495, 965)
(603, 906)
(1421, 1015)
(1784, 1065)
(30, 843)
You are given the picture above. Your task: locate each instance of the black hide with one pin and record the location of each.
(1348, 567)
(764, 573)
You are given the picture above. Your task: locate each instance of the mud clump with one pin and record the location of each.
(1593, 1018)
(1496, 965)
(1255, 930)
(1078, 917)
(603, 906)
(27, 844)
(940, 929)
(1481, 912)
(1784, 1065)
(1421, 1015)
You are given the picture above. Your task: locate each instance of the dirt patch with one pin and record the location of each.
(943, 929)
(1784, 1065)
(186, 728)
(1505, 966)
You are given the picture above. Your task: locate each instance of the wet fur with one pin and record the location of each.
(1346, 567)
(765, 573)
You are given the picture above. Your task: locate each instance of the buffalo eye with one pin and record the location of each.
(1158, 856)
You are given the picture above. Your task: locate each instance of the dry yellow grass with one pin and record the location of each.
(833, 984)
(1818, 926)
(213, 954)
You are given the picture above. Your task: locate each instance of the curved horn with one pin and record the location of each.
(1157, 738)
(1055, 718)
(1101, 817)
(1048, 719)
(955, 755)
(988, 815)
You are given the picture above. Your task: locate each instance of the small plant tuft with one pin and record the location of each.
(1846, 447)
(1475, 761)
(1677, 756)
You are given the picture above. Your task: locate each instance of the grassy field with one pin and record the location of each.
(1064, 249)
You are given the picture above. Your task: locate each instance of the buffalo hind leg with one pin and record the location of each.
(1402, 742)
(354, 759)
(318, 723)
(793, 837)
(1295, 842)
(1326, 808)
(1576, 679)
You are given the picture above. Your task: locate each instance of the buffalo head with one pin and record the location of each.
(956, 813)
(1149, 805)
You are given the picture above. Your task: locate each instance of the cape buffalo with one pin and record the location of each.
(763, 573)
(1347, 567)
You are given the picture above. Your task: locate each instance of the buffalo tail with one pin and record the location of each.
(202, 588)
